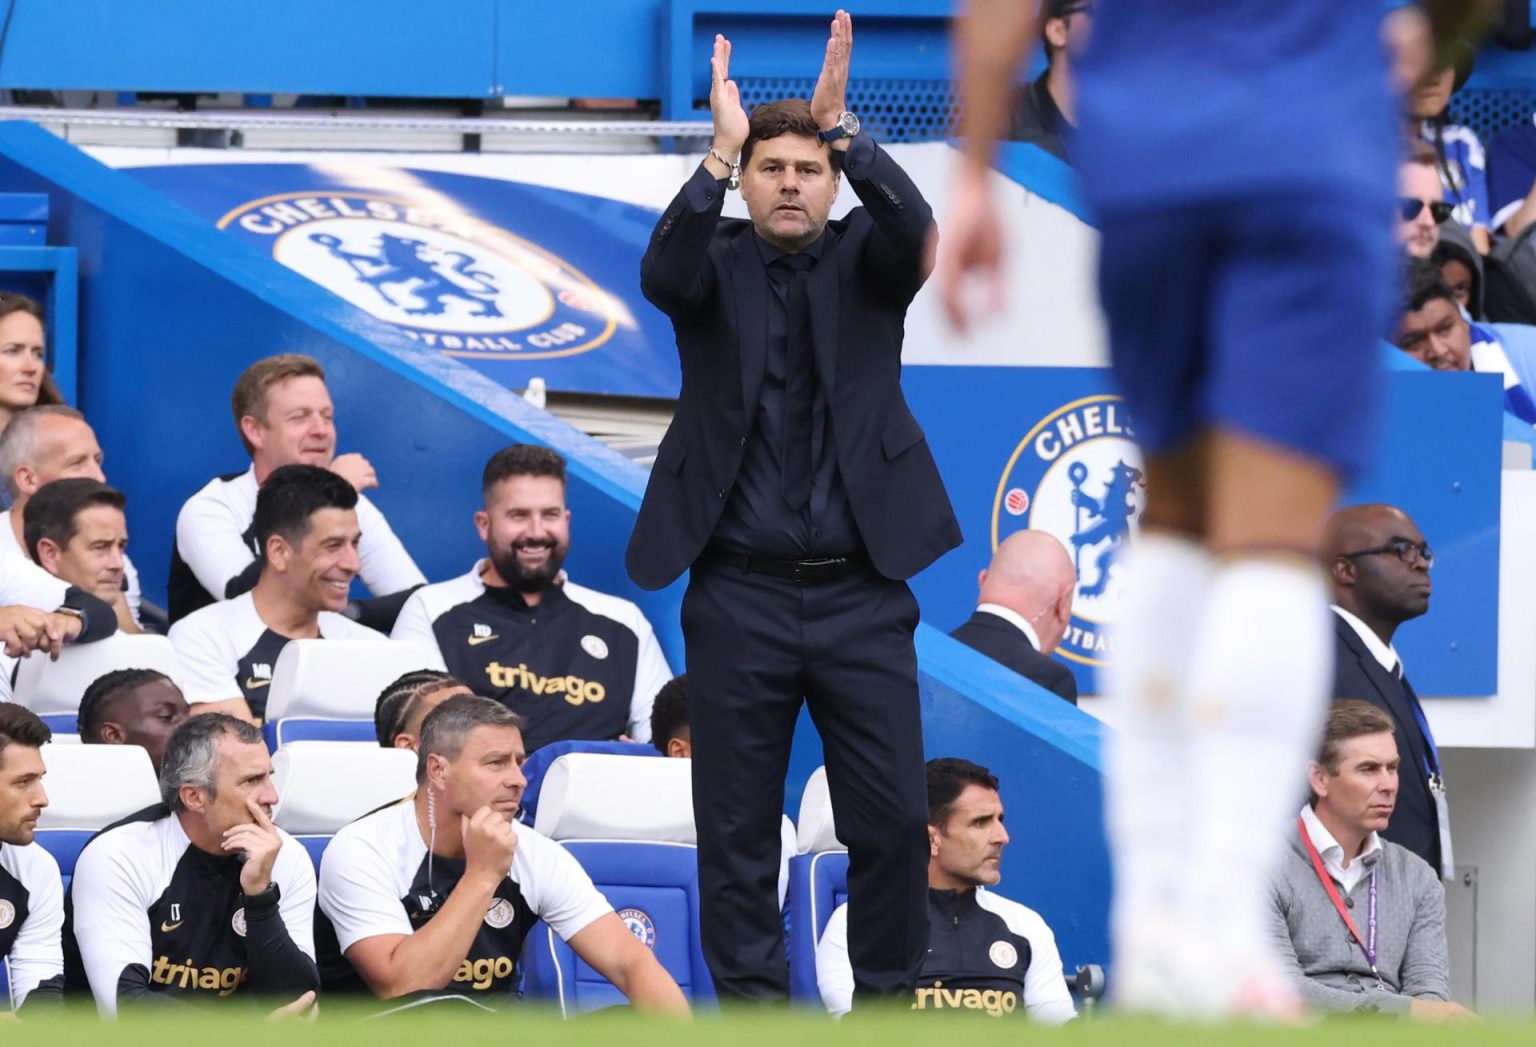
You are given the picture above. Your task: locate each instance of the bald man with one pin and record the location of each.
(1378, 565)
(1024, 609)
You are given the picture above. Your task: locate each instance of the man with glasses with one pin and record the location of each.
(1421, 202)
(1044, 113)
(1378, 563)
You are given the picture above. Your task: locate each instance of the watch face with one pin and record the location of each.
(849, 123)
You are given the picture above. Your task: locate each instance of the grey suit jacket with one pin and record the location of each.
(1327, 963)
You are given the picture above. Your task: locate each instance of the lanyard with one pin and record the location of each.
(1432, 761)
(1368, 943)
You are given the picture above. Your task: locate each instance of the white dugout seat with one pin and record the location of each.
(90, 787)
(53, 689)
(326, 690)
(322, 786)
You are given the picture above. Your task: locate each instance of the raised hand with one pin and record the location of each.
(831, 96)
(725, 103)
(259, 840)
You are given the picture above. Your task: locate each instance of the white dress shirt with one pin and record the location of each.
(1384, 653)
(1014, 618)
(1332, 852)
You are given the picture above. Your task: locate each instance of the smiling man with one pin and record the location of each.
(436, 893)
(1358, 921)
(306, 525)
(574, 663)
(1379, 565)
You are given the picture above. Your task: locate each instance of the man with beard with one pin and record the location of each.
(573, 663)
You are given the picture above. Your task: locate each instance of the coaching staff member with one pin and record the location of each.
(798, 486)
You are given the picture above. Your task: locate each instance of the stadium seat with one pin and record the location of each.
(89, 788)
(629, 821)
(818, 884)
(322, 786)
(325, 690)
(53, 689)
(540, 761)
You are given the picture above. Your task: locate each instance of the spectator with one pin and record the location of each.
(40, 446)
(76, 529)
(132, 707)
(1458, 155)
(161, 908)
(436, 892)
(1338, 870)
(987, 953)
(24, 377)
(405, 703)
(31, 898)
(1379, 565)
(1462, 268)
(1422, 206)
(1024, 609)
(1512, 178)
(1434, 332)
(1043, 111)
(306, 526)
(572, 662)
(283, 414)
(671, 736)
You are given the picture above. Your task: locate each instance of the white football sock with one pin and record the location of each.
(1257, 692)
(1147, 756)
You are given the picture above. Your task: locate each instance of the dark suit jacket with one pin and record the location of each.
(705, 273)
(1358, 674)
(1002, 641)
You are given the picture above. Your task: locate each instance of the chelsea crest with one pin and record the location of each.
(1077, 474)
(452, 282)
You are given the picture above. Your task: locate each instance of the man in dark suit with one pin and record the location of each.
(796, 484)
(1379, 565)
(1024, 609)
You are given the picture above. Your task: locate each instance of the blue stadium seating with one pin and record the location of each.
(818, 884)
(325, 690)
(89, 788)
(324, 785)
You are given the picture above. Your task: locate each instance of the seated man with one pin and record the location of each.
(1339, 878)
(76, 529)
(1024, 609)
(283, 414)
(573, 663)
(986, 953)
(437, 892)
(41, 445)
(1422, 206)
(132, 707)
(31, 899)
(306, 525)
(1433, 331)
(200, 898)
(405, 703)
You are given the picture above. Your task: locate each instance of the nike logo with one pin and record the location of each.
(476, 641)
(167, 927)
(251, 685)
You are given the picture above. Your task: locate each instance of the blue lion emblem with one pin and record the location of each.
(404, 261)
(1108, 519)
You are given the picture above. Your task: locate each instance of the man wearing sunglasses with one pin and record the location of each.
(1421, 202)
(1378, 564)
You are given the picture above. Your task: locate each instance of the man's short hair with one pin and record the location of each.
(788, 116)
(11, 302)
(192, 755)
(1347, 719)
(446, 728)
(522, 460)
(291, 495)
(53, 512)
(103, 691)
(18, 444)
(396, 701)
(1057, 9)
(255, 384)
(948, 777)
(669, 712)
(21, 726)
(1426, 282)
(1421, 152)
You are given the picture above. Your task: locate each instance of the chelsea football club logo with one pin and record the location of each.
(640, 925)
(1078, 475)
(450, 281)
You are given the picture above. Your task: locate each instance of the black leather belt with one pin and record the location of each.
(805, 572)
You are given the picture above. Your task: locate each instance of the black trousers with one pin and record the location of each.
(756, 647)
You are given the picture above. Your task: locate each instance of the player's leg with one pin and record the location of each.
(1155, 310)
(861, 687)
(742, 635)
(1295, 315)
